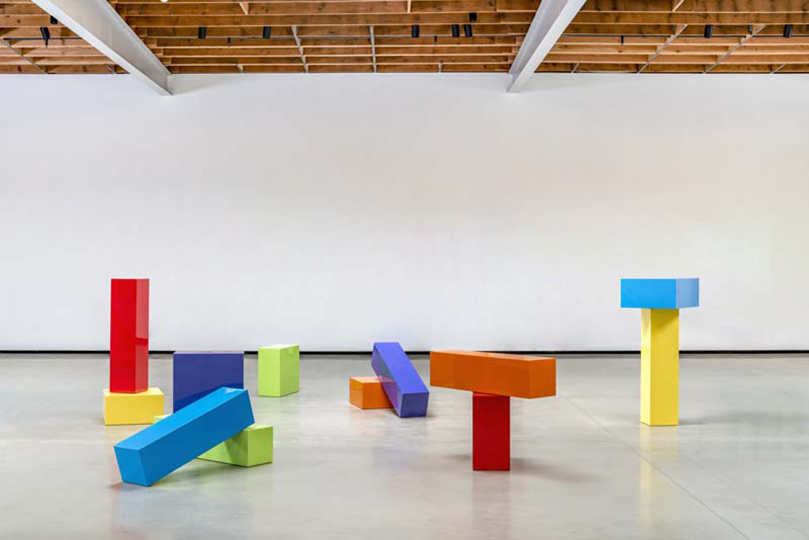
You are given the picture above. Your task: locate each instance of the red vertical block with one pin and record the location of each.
(129, 336)
(491, 432)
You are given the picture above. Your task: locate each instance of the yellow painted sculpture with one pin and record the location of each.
(660, 301)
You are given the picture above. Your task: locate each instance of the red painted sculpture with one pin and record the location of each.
(491, 432)
(129, 336)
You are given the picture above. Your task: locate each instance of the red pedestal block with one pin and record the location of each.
(129, 336)
(491, 432)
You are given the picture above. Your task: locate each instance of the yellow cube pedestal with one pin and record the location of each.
(660, 367)
(122, 409)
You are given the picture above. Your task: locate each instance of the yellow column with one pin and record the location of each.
(659, 366)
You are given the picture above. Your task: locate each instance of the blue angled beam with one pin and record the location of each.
(400, 380)
(147, 456)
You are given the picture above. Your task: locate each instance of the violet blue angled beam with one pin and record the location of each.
(400, 380)
(196, 374)
(149, 455)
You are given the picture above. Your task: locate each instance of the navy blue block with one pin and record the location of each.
(197, 374)
(660, 293)
(400, 380)
(149, 455)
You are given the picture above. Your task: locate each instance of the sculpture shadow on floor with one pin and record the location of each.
(538, 468)
(200, 473)
(528, 467)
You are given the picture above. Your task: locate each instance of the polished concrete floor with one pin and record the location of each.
(583, 467)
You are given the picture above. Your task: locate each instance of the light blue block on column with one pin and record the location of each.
(149, 455)
(660, 293)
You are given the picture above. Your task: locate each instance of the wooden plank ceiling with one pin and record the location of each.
(296, 36)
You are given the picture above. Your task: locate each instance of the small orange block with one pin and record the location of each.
(367, 393)
(493, 373)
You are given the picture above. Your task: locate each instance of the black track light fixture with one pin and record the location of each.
(202, 32)
(456, 30)
(414, 31)
(46, 34)
(787, 30)
(473, 17)
(467, 30)
(266, 32)
(708, 31)
(54, 21)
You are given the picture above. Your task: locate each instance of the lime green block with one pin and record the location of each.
(278, 370)
(253, 446)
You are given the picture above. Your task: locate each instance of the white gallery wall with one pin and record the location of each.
(435, 210)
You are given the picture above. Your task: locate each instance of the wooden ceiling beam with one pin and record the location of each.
(247, 61)
(767, 59)
(325, 19)
(25, 69)
(609, 49)
(554, 58)
(428, 31)
(780, 49)
(33, 32)
(263, 7)
(84, 69)
(231, 43)
(681, 17)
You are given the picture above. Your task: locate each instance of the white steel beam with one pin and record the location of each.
(97, 22)
(550, 21)
(373, 47)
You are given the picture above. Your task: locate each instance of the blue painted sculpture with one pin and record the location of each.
(660, 293)
(147, 456)
(196, 374)
(400, 380)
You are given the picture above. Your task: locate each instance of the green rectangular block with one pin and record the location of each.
(253, 446)
(278, 370)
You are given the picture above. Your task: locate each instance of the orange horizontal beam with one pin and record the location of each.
(494, 373)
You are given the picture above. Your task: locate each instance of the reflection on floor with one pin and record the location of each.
(583, 465)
